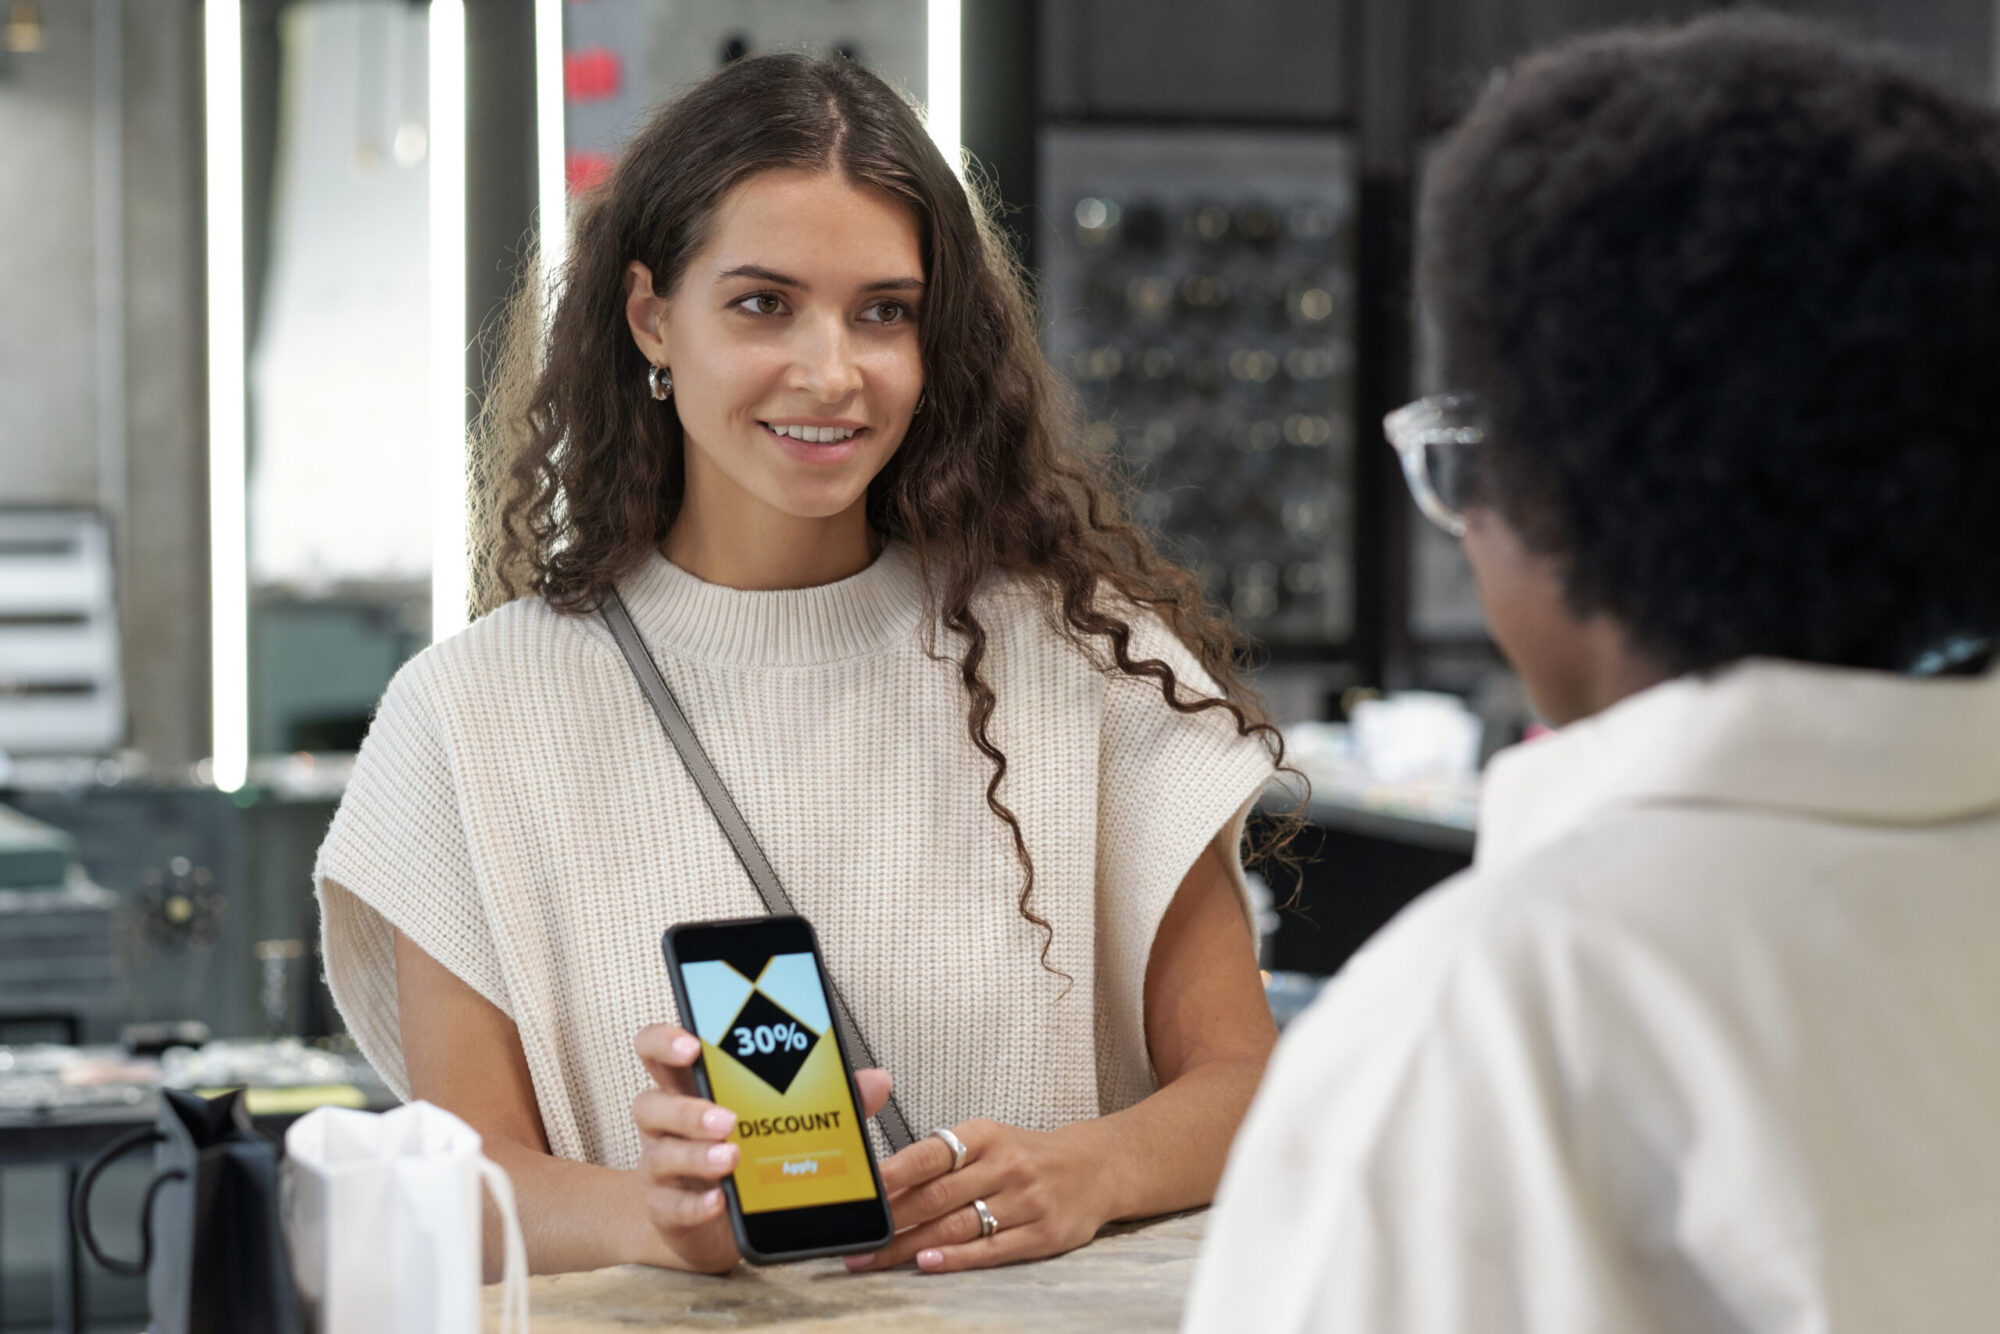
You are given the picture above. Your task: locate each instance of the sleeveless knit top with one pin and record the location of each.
(517, 812)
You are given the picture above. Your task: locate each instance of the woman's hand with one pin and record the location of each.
(685, 1150)
(1208, 1031)
(1038, 1187)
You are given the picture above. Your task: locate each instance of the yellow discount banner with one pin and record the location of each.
(801, 1146)
(768, 1045)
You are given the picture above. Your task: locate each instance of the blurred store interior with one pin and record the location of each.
(246, 254)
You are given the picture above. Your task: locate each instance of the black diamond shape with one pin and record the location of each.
(761, 1024)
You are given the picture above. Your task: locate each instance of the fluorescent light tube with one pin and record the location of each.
(228, 527)
(550, 150)
(450, 578)
(942, 80)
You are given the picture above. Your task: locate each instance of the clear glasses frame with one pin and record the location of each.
(1435, 437)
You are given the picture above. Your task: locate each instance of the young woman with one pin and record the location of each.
(1704, 1040)
(790, 407)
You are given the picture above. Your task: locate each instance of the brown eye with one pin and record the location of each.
(888, 312)
(764, 303)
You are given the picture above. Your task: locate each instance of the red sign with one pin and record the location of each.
(592, 75)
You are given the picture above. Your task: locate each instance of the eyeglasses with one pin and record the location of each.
(1438, 438)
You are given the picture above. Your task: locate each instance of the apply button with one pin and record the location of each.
(802, 1167)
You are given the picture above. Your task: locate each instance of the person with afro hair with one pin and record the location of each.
(1705, 1037)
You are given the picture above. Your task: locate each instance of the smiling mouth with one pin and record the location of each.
(814, 435)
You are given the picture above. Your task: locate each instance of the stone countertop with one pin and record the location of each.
(1133, 1277)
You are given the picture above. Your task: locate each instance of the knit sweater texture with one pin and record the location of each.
(517, 812)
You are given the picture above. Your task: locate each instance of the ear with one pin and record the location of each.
(646, 313)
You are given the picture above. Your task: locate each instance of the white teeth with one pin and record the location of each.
(815, 435)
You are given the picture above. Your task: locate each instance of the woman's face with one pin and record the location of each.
(792, 338)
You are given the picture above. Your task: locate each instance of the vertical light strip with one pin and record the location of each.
(228, 531)
(107, 171)
(550, 151)
(449, 574)
(942, 80)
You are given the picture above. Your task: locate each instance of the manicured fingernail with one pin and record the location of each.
(719, 1120)
(929, 1259)
(722, 1155)
(686, 1048)
(860, 1261)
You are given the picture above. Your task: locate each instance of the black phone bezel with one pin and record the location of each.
(778, 1236)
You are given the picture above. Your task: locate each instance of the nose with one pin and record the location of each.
(825, 366)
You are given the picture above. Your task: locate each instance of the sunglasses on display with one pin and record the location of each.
(1437, 438)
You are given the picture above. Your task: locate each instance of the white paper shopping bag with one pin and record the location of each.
(384, 1222)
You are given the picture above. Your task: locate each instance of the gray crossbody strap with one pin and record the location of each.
(734, 827)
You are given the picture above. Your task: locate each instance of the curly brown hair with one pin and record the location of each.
(581, 477)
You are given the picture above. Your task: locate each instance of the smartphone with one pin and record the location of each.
(755, 992)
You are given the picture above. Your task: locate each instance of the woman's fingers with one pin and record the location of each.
(669, 1052)
(926, 1160)
(669, 1158)
(685, 1150)
(954, 1227)
(1025, 1180)
(923, 1183)
(1005, 1247)
(942, 1194)
(658, 1112)
(874, 1086)
(683, 1136)
(940, 1211)
(672, 1208)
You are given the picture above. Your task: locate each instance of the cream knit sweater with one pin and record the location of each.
(518, 813)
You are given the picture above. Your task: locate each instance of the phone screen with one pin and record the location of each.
(755, 993)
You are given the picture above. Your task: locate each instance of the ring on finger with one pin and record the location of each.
(955, 1144)
(988, 1224)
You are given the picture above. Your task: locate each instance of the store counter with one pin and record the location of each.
(1134, 1277)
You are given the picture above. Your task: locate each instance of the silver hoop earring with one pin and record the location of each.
(661, 381)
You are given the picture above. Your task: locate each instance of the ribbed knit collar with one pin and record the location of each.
(851, 618)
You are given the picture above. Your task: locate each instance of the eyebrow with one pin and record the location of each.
(762, 274)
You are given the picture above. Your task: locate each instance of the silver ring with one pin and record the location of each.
(988, 1225)
(955, 1144)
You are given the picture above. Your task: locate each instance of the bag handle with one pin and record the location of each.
(734, 827)
(514, 1270)
(79, 1202)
